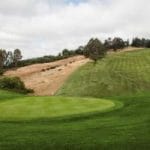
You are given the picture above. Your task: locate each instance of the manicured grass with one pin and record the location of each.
(127, 127)
(117, 74)
(37, 123)
(28, 108)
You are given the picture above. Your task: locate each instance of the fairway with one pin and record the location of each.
(117, 74)
(100, 107)
(28, 108)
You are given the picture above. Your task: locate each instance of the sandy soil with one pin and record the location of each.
(46, 79)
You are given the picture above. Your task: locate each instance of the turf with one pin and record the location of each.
(120, 123)
(117, 74)
(29, 108)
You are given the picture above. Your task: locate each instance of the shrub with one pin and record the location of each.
(1, 72)
(14, 84)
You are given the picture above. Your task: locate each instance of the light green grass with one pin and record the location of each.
(72, 123)
(28, 108)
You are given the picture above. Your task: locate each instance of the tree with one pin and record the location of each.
(3, 57)
(136, 42)
(108, 43)
(66, 53)
(147, 44)
(9, 60)
(79, 50)
(127, 43)
(94, 49)
(118, 43)
(17, 56)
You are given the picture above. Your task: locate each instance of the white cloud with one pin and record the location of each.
(42, 27)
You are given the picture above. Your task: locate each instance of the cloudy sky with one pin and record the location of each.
(44, 27)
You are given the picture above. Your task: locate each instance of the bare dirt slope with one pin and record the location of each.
(47, 78)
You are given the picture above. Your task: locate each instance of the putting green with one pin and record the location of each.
(46, 107)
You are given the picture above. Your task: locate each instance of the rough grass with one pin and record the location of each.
(124, 128)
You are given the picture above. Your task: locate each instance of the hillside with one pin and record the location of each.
(117, 74)
(103, 106)
(47, 78)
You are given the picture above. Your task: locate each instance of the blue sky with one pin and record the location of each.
(44, 27)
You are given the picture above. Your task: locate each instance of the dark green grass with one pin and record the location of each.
(124, 128)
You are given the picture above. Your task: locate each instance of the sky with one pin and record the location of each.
(46, 27)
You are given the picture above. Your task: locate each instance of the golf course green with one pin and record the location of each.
(103, 106)
(27, 108)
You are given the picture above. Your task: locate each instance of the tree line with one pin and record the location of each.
(137, 42)
(50, 58)
(9, 58)
(94, 49)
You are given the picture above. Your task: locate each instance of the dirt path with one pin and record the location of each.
(46, 79)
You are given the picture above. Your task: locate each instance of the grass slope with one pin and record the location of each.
(117, 74)
(124, 128)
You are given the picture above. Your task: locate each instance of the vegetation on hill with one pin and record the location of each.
(137, 42)
(118, 121)
(10, 59)
(14, 84)
(95, 50)
(116, 74)
(116, 43)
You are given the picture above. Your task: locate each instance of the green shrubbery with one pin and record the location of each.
(140, 42)
(94, 50)
(1, 72)
(14, 84)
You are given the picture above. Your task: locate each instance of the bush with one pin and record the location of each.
(14, 84)
(1, 72)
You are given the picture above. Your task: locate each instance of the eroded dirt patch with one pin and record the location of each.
(47, 78)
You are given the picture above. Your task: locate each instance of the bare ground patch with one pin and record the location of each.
(47, 78)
